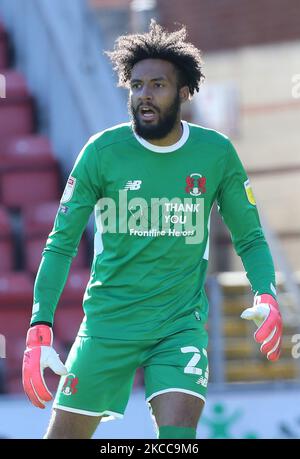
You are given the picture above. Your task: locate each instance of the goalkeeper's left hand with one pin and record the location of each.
(266, 314)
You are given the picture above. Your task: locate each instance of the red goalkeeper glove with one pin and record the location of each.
(266, 314)
(39, 354)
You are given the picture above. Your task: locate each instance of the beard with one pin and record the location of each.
(164, 125)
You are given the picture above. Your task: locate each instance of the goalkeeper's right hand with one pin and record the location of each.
(39, 354)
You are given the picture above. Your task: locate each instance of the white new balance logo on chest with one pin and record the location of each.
(133, 185)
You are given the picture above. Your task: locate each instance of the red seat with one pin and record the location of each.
(6, 257)
(15, 315)
(26, 151)
(16, 109)
(38, 220)
(15, 290)
(5, 230)
(21, 189)
(6, 247)
(16, 87)
(15, 322)
(29, 171)
(3, 47)
(15, 312)
(15, 118)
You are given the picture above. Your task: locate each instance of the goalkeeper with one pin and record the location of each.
(152, 183)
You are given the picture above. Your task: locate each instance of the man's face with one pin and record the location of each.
(154, 100)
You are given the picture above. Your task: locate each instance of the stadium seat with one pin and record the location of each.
(15, 321)
(16, 109)
(14, 325)
(235, 327)
(6, 247)
(29, 172)
(6, 258)
(15, 290)
(3, 47)
(15, 311)
(26, 152)
(21, 189)
(261, 371)
(38, 220)
(245, 348)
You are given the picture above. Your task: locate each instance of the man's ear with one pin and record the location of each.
(184, 94)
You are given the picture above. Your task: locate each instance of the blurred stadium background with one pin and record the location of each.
(57, 88)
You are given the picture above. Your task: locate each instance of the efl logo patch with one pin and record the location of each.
(69, 190)
(63, 209)
(195, 184)
(249, 192)
(70, 384)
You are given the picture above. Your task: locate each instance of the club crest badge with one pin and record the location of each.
(70, 384)
(195, 184)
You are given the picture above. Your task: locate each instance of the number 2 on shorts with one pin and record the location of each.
(191, 366)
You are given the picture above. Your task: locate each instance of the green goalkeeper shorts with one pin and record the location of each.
(101, 371)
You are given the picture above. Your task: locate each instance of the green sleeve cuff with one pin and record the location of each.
(50, 281)
(259, 268)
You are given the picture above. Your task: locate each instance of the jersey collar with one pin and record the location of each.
(169, 148)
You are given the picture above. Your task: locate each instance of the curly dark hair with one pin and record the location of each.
(158, 44)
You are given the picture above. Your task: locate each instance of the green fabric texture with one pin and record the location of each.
(176, 432)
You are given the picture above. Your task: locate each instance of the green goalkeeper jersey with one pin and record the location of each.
(152, 211)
